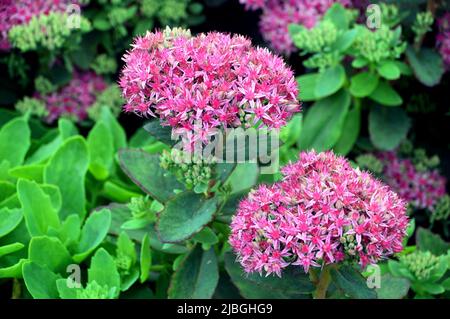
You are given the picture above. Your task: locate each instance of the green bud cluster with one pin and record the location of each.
(390, 14)
(33, 106)
(370, 162)
(94, 291)
(424, 163)
(317, 39)
(111, 97)
(45, 32)
(379, 45)
(420, 263)
(141, 207)
(442, 209)
(123, 263)
(194, 172)
(170, 12)
(104, 64)
(349, 243)
(422, 24)
(44, 86)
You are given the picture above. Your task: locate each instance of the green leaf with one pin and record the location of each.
(345, 40)
(206, 236)
(146, 258)
(386, 95)
(66, 292)
(9, 220)
(352, 283)
(393, 287)
(427, 241)
(243, 177)
(145, 171)
(330, 81)
(350, 132)
(49, 252)
(363, 84)
(115, 129)
(37, 208)
(6, 190)
(14, 141)
(67, 170)
(429, 287)
(388, 127)
(159, 132)
(338, 16)
(11, 248)
(70, 230)
(93, 232)
(323, 123)
(307, 86)
(196, 277)
(294, 28)
(389, 70)
(40, 281)
(101, 150)
(66, 130)
(184, 216)
(31, 172)
(103, 270)
(294, 283)
(359, 63)
(426, 64)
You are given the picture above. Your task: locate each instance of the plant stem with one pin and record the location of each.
(323, 283)
(16, 289)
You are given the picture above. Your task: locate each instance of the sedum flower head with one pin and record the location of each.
(74, 99)
(208, 82)
(322, 212)
(94, 291)
(32, 23)
(419, 186)
(279, 14)
(442, 209)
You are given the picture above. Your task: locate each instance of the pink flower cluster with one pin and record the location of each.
(322, 212)
(278, 14)
(18, 12)
(443, 39)
(420, 189)
(74, 99)
(199, 84)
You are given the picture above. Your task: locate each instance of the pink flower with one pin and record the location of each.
(443, 39)
(18, 12)
(278, 14)
(199, 84)
(422, 189)
(322, 212)
(74, 99)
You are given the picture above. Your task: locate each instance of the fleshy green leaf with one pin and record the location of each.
(11, 248)
(37, 208)
(145, 171)
(159, 132)
(93, 232)
(67, 170)
(386, 95)
(352, 283)
(146, 259)
(9, 220)
(350, 132)
(389, 70)
(329, 81)
(427, 241)
(426, 64)
(338, 16)
(323, 123)
(40, 281)
(103, 270)
(294, 283)
(363, 84)
(101, 150)
(388, 127)
(196, 277)
(393, 287)
(15, 141)
(307, 86)
(49, 252)
(185, 215)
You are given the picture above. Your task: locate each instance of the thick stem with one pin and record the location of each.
(323, 283)
(16, 290)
